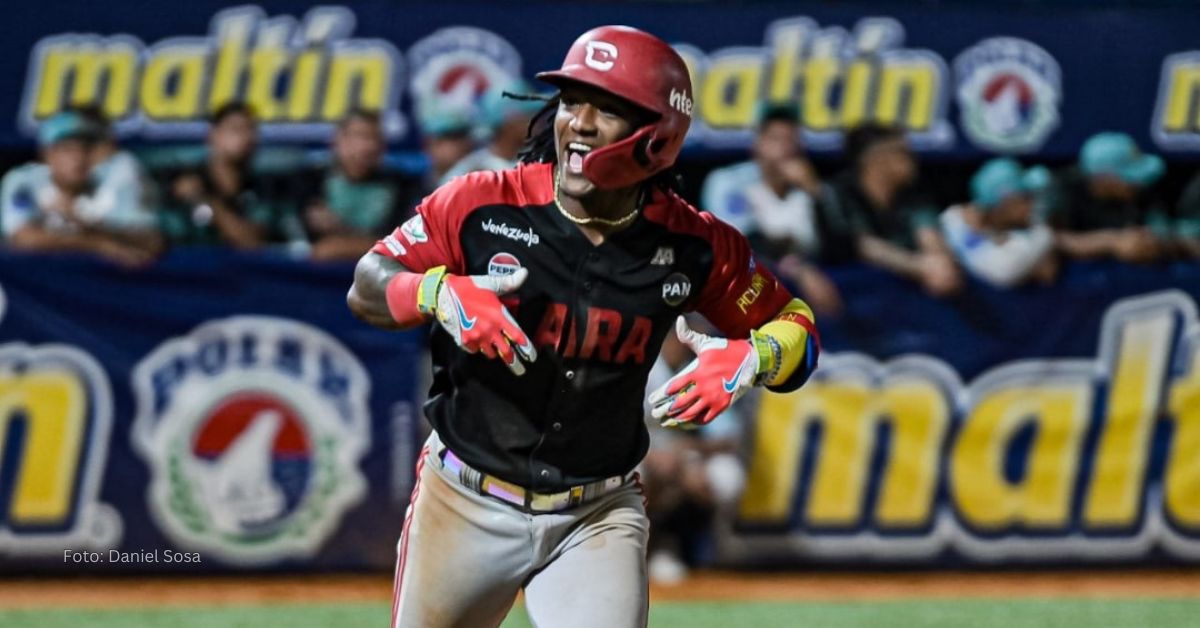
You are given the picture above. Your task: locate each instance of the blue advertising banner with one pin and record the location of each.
(1044, 426)
(973, 78)
(215, 411)
(222, 411)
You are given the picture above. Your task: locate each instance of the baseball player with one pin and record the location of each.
(553, 286)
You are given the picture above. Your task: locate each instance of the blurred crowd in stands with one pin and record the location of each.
(86, 194)
(1017, 225)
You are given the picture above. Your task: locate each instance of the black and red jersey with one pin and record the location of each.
(598, 315)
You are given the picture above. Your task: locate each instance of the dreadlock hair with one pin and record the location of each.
(539, 137)
(539, 146)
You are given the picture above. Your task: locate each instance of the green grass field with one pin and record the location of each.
(967, 613)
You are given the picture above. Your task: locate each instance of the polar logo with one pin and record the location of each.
(600, 55)
(681, 102)
(1009, 92)
(253, 428)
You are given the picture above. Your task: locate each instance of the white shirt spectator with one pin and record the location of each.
(123, 197)
(1001, 258)
(27, 195)
(737, 195)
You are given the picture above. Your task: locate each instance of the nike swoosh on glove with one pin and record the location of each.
(721, 373)
(469, 309)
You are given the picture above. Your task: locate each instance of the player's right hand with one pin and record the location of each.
(469, 309)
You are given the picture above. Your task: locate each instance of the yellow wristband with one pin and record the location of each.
(428, 290)
(770, 355)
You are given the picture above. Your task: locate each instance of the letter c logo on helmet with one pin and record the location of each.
(600, 55)
(648, 73)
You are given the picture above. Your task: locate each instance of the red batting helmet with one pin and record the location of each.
(644, 70)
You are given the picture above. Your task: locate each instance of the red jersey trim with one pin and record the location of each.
(739, 294)
(447, 207)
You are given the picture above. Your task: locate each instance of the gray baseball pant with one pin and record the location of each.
(462, 558)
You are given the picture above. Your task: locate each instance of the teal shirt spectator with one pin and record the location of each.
(265, 201)
(365, 206)
(850, 213)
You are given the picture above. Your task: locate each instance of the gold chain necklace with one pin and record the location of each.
(593, 220)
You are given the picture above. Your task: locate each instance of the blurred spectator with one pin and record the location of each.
(689, 475)
(770, 200)
(445, 138)
(1186, 225)
(770, 197)
(876, 216)
(356, 202)
(1106, 205)
(504, 123)
(122, 188)
(221, 200)
(52, 206)
(995, 236)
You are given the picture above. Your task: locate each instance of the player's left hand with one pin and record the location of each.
(722, 372)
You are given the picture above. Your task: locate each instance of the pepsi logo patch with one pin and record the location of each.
(503, 264)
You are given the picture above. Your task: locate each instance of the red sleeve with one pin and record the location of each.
(740, 294)
(431, 237)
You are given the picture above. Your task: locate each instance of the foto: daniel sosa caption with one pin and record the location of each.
(119, 557)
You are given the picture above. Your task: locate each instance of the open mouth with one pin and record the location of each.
(574, 156)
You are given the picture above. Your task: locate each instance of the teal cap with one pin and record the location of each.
(1003, 177)
(1117, 154)
(66, 125)
(438, 119)
(495, 108)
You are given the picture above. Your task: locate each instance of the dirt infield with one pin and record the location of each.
(115, 592)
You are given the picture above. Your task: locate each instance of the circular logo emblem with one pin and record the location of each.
(1008, 94)
(453, 67)
(503, 264)
(253, 428)
(676, 289)
(253, 458)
